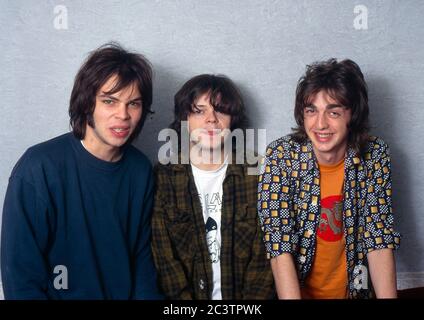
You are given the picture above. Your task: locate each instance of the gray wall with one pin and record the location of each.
(262, 45)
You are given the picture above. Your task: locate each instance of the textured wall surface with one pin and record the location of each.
(262, 45)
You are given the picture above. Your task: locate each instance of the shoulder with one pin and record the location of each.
(50, 147)
(43, 155)
(167, 174)
(375, 149)
(285, 147)
(163, 169)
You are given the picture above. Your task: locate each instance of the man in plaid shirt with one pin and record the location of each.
(206, 236)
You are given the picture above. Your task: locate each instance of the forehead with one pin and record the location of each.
(115, 87)
(322, 99)
(203, 99)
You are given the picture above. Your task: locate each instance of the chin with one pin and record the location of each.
(118, 144)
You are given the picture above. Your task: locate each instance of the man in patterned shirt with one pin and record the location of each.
(325, 201)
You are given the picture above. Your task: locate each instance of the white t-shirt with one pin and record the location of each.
(209, 186)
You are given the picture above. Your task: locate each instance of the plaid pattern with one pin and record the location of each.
(289, 206)
(179, 237)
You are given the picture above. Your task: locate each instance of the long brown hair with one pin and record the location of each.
(223, 94)
(103, 63)
(344, 82)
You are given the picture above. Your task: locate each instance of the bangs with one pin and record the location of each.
(336, 93)
(219, 90)
(222, 99)
(124, 78)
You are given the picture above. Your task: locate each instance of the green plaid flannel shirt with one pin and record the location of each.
(179, 237)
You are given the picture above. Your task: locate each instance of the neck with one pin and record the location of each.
(105, 153)
(330, 159)
(207, 159)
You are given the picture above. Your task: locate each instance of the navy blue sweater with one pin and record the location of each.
(77, 227)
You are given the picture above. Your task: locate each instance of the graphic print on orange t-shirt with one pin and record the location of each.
(330, 226)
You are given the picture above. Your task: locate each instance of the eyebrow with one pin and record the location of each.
(116, 99)
(328, 107)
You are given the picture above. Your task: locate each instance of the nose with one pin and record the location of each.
(122, 112)
(322, 121)
(211, 117)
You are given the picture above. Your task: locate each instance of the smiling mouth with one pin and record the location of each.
(120, 129)
(323, 135)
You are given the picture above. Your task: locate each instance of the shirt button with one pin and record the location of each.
(201, 284)
(302, 259)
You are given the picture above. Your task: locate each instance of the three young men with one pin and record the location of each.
(76, 217)
(206, 237)
(325, 202)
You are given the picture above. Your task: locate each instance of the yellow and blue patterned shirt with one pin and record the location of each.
(289, 206)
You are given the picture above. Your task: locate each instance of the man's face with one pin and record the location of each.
(326, 124)
(115, 117)
(206, 125)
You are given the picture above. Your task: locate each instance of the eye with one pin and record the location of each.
(197, 111)
(135, 104)
(334, 114)
(108, 101)
(309, 111)
(219, 110)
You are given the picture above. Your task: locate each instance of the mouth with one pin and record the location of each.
(323, 137)
(213, 132)
(120, 132)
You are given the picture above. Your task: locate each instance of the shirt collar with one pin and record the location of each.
(233, 168)
(351, 156)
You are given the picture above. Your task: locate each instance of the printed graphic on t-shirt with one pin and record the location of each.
(331, 223)
(211, 238)
(213, 202)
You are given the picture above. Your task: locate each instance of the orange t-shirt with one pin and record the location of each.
(328, 276)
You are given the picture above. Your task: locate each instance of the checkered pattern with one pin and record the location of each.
(289, 205)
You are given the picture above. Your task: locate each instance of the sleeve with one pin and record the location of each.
(25, 273)
(379, 232)
(146, 286)
(172, 278)
(275, 204)
(259, 284)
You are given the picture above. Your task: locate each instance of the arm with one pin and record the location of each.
(146, 286)
(383, 273)
(380, 238)
(285, 276)
(277, 222)
(25, 273)
(172, 278)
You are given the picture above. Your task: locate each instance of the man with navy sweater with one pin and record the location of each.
(76, 216)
